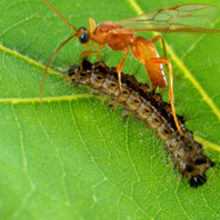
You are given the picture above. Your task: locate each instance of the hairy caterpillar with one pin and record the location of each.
(186, 154)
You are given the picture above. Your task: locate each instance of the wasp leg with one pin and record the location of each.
(119, 68)
(171, 95)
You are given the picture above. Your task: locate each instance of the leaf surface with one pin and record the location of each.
(76, 159)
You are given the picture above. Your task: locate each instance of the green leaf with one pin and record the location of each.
(76, 159)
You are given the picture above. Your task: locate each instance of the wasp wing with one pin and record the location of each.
(180, 18)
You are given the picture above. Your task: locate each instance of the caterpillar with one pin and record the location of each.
(186, 154)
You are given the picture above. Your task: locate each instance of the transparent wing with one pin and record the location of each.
(180, 18)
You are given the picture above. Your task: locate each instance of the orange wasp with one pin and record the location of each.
(120, 36)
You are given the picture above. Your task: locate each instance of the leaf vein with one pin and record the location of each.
(57, 152)
(28, 60)
(130, 159)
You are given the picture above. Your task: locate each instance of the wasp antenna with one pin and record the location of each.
(48, 64)
(61, 16)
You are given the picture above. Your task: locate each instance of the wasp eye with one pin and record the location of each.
(83, 37)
